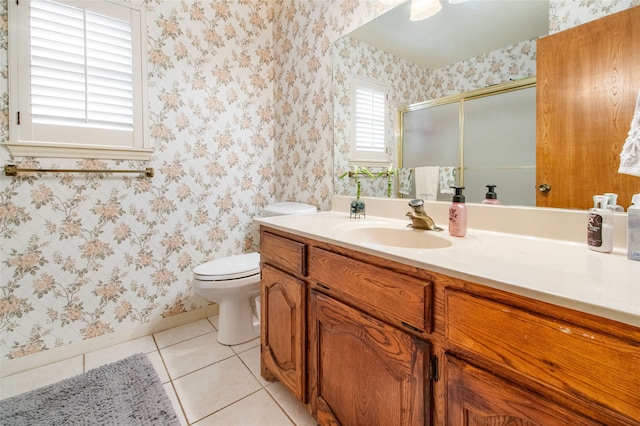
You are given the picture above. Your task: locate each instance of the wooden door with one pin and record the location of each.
(478, 398)
(365, 372)
(588, 79)
(282, 327)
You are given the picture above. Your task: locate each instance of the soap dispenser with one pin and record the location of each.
(491, 197)
(633, 228)
(458, 214)
(600, 225)
(613, 202)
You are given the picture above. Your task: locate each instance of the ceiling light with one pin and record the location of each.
(422, 9)
(457, 1)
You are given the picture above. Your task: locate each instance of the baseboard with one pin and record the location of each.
(39, 359)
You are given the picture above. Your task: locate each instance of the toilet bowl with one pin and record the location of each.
(234, 282)
(231, 282)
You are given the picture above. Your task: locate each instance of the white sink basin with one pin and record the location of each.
(396, 237)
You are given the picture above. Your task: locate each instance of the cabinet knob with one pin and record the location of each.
(545, 187)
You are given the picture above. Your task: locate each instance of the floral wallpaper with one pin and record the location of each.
(303, 45)
(565, 14)
(500, 66)
(241, 115)
(89, 254)
(406, 83)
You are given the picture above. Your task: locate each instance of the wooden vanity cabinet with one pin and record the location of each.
(476, 397)
(346, 337)
(363, 340)
(363, 371)
(283, 313)
(577, 363)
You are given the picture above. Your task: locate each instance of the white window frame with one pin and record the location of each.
(71, 141)
(369, 156)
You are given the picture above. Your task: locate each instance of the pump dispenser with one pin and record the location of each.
(458, 214)
(633, 228)
(613, 202)
(600, 225)
(491, 197)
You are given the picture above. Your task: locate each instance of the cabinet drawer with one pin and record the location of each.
(390, 296)
(284, 253)
(581, 363)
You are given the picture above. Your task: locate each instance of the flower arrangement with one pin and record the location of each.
(357, 170)
(390, 173)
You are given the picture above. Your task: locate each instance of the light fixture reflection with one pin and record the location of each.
(422, 9)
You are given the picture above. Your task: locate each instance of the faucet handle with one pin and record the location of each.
(417, 204)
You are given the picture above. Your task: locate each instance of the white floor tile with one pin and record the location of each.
(158, 364)
(171, 393)
(258, 409)
(213, 384)
(40, 376)
(290, 405)
(246, 346)
(251, 358)
(214, 320)
(115, 353)
(183, 332)
(212, 388)
(193, 354)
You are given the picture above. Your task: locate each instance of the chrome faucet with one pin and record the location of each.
(420, 219)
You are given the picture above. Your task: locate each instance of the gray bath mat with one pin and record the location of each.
(127, 392)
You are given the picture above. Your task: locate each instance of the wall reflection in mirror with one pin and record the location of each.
(462, 48)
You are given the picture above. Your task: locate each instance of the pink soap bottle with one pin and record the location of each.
(458, 214)
(491, 197)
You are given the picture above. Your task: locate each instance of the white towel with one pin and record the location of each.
(404, 180)
(447, 179)
(427, 180)
(630, 155)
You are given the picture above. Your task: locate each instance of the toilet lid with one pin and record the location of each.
(228, 268)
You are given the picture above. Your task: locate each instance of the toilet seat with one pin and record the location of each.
(229, 268)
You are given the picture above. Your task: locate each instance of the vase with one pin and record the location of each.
(357, 208)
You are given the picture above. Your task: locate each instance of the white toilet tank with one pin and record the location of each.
(288, 208)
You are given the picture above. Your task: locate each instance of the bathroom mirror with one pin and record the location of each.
(464, 47)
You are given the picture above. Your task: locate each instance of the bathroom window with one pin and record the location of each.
(77, 80)
(369, 121)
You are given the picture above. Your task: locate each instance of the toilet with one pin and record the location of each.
(233, 282)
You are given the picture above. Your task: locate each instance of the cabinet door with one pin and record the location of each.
(364, 372)
(282, 328)
(478, 398)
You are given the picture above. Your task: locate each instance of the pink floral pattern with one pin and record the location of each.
(241, 115)
(409, 84)
(406, 82)
(84, 255)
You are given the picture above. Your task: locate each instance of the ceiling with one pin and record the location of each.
(457, 31)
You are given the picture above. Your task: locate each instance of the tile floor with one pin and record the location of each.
(208, 383)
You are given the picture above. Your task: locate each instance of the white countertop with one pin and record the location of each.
(564, 273)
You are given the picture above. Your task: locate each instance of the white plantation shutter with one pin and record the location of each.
(81, 67)
(85, 76)
(369, 121)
